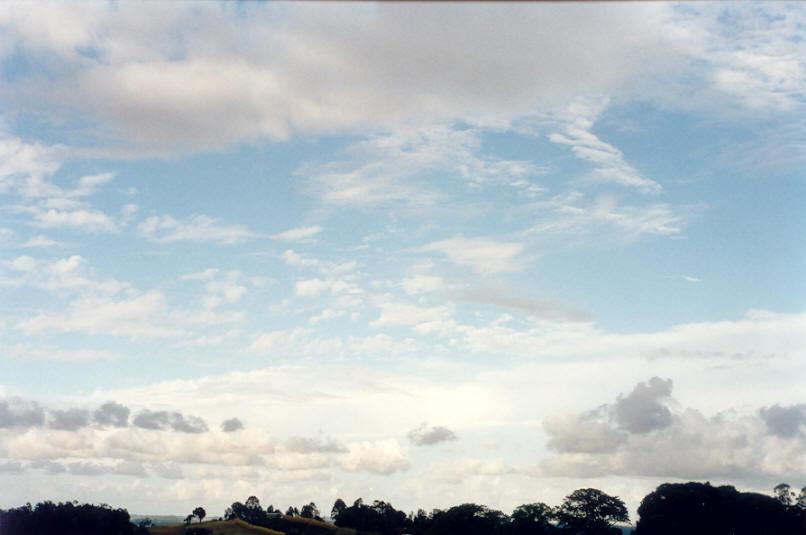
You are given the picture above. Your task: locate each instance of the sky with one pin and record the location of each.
(425, 253)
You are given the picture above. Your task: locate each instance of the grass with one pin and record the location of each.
(224, 527)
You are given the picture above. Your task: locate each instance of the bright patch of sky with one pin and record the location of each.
(430, 254)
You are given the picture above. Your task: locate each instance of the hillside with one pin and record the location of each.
(227, 527)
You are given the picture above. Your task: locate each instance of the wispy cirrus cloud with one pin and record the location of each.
(195, 228)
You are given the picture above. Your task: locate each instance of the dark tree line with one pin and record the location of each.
(584, 511)
(68, 518)
(701, 509)
(672, 509)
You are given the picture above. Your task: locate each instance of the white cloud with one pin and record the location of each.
(483, 255)
(41, 241)
(71, 216)
(299, 233)
(382, 457)
(608, 160)
(197, 228)
(55, 353)
(393, 314)
(67, 274)
(133, 316)
(422, 284)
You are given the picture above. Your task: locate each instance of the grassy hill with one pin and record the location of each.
(228, 527)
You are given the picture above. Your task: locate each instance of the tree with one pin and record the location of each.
(702, 509)
(199, 513)
(467, 519)
(532, 518)
(338, 507)
(785, 494)
(292, 511)
(310, 511)
(591, 511)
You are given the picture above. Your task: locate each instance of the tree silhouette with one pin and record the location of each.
(532, 518)
(200, 513)
(309, 511)
(591, 511)
(784, 494)
(338, 507)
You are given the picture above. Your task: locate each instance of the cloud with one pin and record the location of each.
(11, 467)
(383, 457)
(55, 353)
(634, 437)
(537, 307)
(231, 425)
(298, 233)
(784, 421)
(71, 216)
(168, 470)
(41, 241)
(195, 228)
(398, 167)
(641, 410)
(394, 314)
(425, 436)
(329, 69)
(418, 284)
(133, 316)
(313, 445)
(578, 220)
(24, 167)
(163, 420)
(17, 412)
(68, 420)
(67, 274)
(483, 255)
(609, 162)
(581, 433)
(111, 414)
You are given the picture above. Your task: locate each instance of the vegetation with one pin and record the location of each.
(701, 509)
(691, 508)
(67, 518)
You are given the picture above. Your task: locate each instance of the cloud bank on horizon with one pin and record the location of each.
(430, 254)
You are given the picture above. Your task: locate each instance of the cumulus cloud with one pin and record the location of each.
(637, 436)
(111, 414)
(383, 457)
(429, 436)
(784, 421)
(642, 409)
(68, 420)
(581, 433)
(18, 412)
(164, 420)
(313, 445)
(231, 425)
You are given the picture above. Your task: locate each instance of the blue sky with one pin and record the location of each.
(425, 253)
